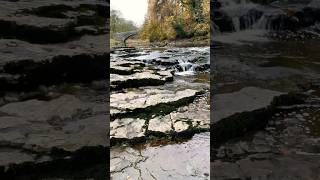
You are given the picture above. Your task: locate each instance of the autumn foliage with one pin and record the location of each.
(176, 19)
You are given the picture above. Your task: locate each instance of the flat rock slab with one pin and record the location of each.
(171, 161)
(288, 148)
(23, 63)
(65, 123)
(127, 128)
(125, 67)
(188, 119)
(147, 77)
(144, 99)
(15, 51)
(195, 116)
(59, 123)
(247, 99)
(53, 22)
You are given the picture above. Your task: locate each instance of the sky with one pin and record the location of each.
(134, 10)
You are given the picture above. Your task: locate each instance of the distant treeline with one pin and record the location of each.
(119, 24)
(176, 19)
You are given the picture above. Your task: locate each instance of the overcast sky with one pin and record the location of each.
(134, 10)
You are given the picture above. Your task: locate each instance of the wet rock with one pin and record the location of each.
(145, 78)
(250, 18)
(164, 61)
(45, 127)
(255, 98)
(123, 158)
(191, 160)
(65, 123)
(55, 64)
(144, 114)
(127, 128)
(223, 21)
(149, 100)
(241, 123)
(180, 126)
(202, 67)
(120, 50)
(124, 67)
(43, 22)
(273, 154)
(160, 124)
(182, 123)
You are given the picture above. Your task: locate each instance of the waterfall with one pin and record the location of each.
(235, 9)
(185, 68)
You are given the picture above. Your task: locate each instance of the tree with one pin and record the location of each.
(174, 19)
(119, 24)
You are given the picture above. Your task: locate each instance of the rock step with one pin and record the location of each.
(242, 122)
(290, 137)
(125, 67)
(148, 102)
(66, 123)
(87, 159)
(44, 22)
(182, 123)
(25, 66)
(254, 98)
(146, 77)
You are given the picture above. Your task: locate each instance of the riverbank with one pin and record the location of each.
(192, 42)
(159, 102)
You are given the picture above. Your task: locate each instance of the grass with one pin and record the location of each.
(114, 43)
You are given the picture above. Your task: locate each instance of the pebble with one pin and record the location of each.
(305, 114)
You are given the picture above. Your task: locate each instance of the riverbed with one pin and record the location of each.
(160, 113)
(270, 83)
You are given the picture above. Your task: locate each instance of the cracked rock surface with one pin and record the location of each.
(251, 98)
(268, 129)
(154, 113)
(135, 101)
(154, 162)
(288, 148)
(53, 89)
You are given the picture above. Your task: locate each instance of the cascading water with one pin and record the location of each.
(236, 10)
(276, 16)
(185, 68)
(241, 21)
(184, 61)
(189, 65)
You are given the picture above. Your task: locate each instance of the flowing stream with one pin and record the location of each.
(180, 153)
(274, 48)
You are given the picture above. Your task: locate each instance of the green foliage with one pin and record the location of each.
(176, 19)
(119, 24)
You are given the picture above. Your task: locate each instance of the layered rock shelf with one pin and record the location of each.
(289, 140)
(53, 89)
(145, 78)
(47, 22)
(266, 101)
(182, 122)
(151, 104)
(149, 100)
(142, 108)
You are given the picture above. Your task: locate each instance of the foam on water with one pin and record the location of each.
(184, 57)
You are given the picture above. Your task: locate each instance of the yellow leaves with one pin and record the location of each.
(173, 19)
(202, 29)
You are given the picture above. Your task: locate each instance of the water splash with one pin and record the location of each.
(185, 61)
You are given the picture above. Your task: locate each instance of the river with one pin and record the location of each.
(267, 73)
(160, 113)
